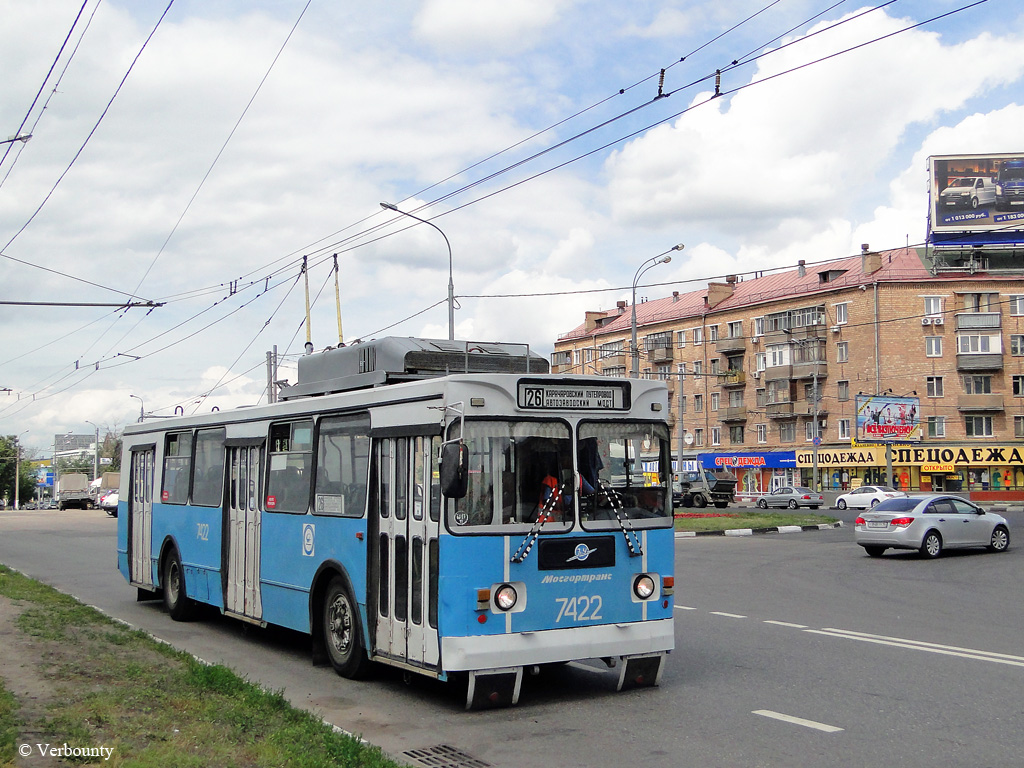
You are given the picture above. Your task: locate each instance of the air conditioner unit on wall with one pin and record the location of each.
(835, 329)
(755, 340)
(926, 321)
(756, 374)
(937, 321)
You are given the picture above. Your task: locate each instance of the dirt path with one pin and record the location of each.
(21, 668)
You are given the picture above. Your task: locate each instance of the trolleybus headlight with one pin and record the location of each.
(643, 586)
(506, 596)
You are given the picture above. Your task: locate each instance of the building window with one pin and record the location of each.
(712, 333)
(841, 314)
(777, 354)
(759, 326)
(760, 397)
(760, 361)
(611, 348)
(762, 433)
(974, 343)
(936, 426)
(736, 435)
(698, 369)
(1018, 426)
(698, 335)
(682, 404)
(933, 386)
(979, 302)
(735, 398)
(615, 370)
(978, 385)
(736, 329)
(715, 366)
(716, 436)
(1017, 344)
(663, 372)
(698, 403)
(809, 431)
(787, 432)
(680, 339)
(1017, 306)
(844, 429)
(978, 426)
(714, 401)
(843, 352)
(933, 346)
(1018, 386)
(843, 391)
(661, 340)
(933, 306)
(698, 437)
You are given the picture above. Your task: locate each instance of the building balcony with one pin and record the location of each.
(774, 372)
(979, 403)
(660, 354)
(974, 320)
(779, 410)
(809, 370)
(980, 361)
(734, 413)
(734, 378)
(613, 359)
(731, 344)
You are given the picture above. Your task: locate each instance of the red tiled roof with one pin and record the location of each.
(901, 264)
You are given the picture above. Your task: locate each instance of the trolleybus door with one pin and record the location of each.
(407, 546)
(242, 525)
(140, 516)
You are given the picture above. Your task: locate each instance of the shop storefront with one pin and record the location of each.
(990, 472)
(755, 473)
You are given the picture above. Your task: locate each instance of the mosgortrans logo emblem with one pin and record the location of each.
(581, 553)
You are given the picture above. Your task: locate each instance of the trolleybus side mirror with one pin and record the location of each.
(454, 470)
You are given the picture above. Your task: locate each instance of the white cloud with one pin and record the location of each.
(495, 25)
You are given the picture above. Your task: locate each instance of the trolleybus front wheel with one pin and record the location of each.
(176, 600)
(343, 636)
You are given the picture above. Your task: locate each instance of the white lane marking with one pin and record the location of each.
(918, 645)
(685, 608)
(785, 624)
(797, 721)
(727, 615)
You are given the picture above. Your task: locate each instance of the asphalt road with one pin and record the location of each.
(791, 650)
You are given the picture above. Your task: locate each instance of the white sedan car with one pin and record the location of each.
(930, 524)
(867, 496)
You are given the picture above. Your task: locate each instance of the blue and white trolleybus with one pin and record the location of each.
(443, 507)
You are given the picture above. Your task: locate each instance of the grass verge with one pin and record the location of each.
(724, 521)
(118, 688)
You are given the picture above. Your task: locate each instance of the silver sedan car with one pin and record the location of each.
(791, 496)
(930, 524)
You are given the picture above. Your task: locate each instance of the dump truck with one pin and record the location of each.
(697, 487)
(73, 491)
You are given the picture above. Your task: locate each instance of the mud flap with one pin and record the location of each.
(640, 671)
(492, 688)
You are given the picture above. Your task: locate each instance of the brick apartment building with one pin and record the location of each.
(741, 359)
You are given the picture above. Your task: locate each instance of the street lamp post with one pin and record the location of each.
(451, 282)
(142, 408)
(661, 258)
(816, 429)
(95, 452)
(17, 468)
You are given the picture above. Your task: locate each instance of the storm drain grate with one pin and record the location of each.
(443, 756)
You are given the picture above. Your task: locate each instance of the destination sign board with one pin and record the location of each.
(575, 397)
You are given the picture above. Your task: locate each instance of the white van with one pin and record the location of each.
(968, 192)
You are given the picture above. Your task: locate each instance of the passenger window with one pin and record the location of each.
(342, 464)
(291, 460)
(177, 468)
(208, 476)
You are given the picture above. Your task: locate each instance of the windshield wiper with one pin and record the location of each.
(614, 498)
(542, 517)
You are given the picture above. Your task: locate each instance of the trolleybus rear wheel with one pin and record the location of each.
(343, 635)
(176, 600)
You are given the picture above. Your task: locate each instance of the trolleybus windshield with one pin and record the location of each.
(522, 473)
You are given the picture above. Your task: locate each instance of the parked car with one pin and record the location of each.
(968, 192)
(791, 496)
(930, 524)
(108, 502)
(867, 496)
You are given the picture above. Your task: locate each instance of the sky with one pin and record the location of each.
(192, 157)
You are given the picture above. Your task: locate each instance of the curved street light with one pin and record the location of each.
(142, 408)
(451, 284)
(661, 258)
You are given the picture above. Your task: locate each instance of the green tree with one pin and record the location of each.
(8, 462)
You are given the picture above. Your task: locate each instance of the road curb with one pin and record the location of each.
(758, 531)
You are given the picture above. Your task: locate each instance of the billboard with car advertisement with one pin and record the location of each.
(886, 419)
(981, 195)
